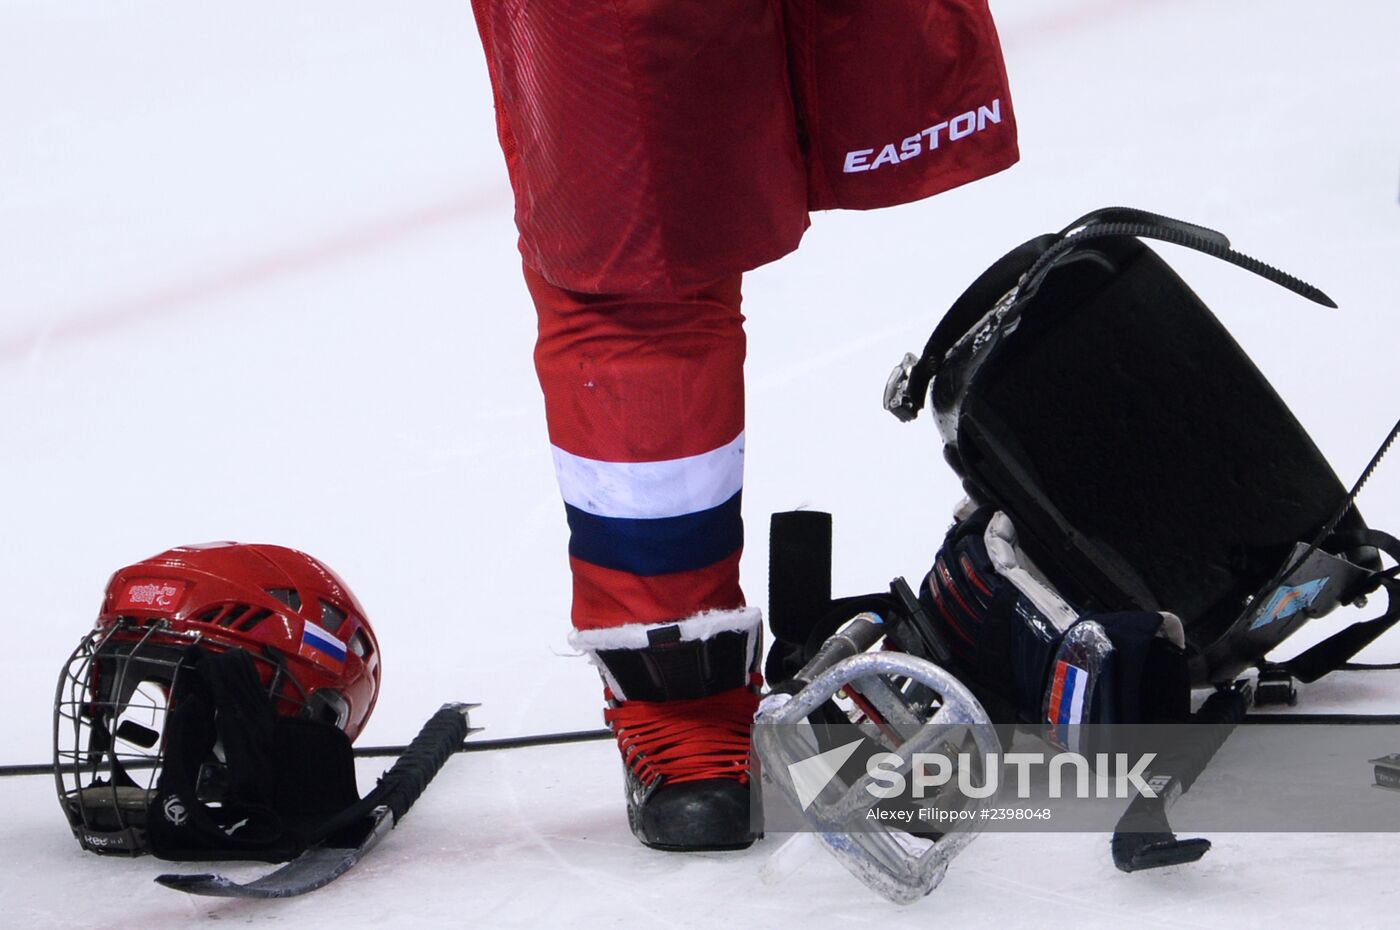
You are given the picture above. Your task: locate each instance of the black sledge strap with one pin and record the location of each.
(1134, 215)
(1176, 235)
(905, 397)
(803, 616)
(1330, 527)
(1336, 650)
(1024, 269)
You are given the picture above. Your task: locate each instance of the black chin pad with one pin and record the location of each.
(315, 770)
(282, 780)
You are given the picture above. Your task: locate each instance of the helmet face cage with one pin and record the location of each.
(114, 695)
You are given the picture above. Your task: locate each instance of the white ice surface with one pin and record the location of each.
(258, 281)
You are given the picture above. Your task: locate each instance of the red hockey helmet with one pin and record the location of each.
(313, 648)
(271, 601)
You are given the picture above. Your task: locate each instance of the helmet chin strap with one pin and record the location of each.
(281, 776)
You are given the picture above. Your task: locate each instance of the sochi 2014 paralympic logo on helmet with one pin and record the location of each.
(152, 594)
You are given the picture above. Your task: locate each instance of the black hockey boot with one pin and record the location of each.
(681, 698)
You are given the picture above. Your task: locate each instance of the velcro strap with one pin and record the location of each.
(686, 660)
(675, 670)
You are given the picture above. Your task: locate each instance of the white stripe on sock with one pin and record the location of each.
(651, 490)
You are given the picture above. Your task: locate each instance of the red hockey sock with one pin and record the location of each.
(645, 406)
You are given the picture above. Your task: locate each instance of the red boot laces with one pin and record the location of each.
(684, 741)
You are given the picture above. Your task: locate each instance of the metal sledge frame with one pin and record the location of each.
(901, 866)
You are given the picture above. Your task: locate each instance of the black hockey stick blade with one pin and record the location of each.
(315, 868)
(1143, 838)
(368, 822)
(1133, 852)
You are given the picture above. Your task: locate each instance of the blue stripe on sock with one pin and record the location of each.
(660, 546)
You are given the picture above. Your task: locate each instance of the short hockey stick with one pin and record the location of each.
(353, 833)
(1143, 838)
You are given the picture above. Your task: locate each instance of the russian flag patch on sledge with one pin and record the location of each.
(320, 646)
(1065, 705)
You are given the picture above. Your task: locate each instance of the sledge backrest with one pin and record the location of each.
(1146, 461)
